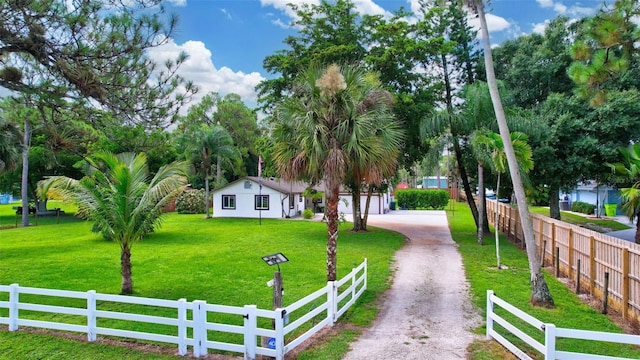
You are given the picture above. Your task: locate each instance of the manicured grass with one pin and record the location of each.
(512, 285)
(573, 218)
(216, 260)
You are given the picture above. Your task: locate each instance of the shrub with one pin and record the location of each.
(422, 199)
(307, 213)
(583, 207)
(191, 201)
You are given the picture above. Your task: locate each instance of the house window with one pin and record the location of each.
(300, 198)
(262, 202)
(229, 202)
(292, 202)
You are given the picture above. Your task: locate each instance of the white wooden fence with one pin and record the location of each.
(191, 317)
(551, 333)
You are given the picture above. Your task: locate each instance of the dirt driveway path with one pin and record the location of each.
(427, 312)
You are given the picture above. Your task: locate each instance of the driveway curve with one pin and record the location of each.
(427, 312)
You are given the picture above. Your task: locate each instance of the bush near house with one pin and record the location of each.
(583, 207)
(191, 201)
(307, 213)
(422, 199)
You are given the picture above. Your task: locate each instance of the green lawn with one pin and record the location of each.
(216, 260)
(572, 218)
(512, 285)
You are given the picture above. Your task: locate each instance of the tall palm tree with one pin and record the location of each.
(324, 130)
(630, 195)
(540, 294)
(122, 199)
(492, 147)
(372, 168)
(207, 145)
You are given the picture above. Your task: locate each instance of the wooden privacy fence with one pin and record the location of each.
(194, 324)
(550, 333)
(600, 264)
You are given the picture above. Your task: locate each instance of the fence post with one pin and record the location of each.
(250, 325)
(553, 244)
(605, 294)
(557, 261)
(592, 264)
(14, 299)
(625, 282)
(549, 341)
(366, 264)
(578, 276)
(570, 254)
(489, 313)
(182, 327)
(280, 313)
(331, 299)
(199, 328)
(91, 316)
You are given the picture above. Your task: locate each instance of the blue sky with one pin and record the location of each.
(227, 40)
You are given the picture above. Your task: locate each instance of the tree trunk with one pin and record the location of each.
(218, 171)
(481, 203)
(366, 207)
(465, 180)
(637, 237)
(332, 230)
(24, 191)
(125, 270)
(554, 202)
(540, 294)
(355, 206)
(497, 223)
(456, 145)
(206, 193)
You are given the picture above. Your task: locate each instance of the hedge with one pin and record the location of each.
(422, 199)
(583, 207)
(191, 201)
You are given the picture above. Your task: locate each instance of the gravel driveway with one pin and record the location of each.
(427, 312)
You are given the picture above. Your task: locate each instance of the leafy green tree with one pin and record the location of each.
(630, 169)
(121, 198)
(54, 50)
(607, 54)
(321, 134)
(9, 144)
(206, 146)
(540, 294)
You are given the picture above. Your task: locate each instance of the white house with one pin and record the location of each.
(280, 199)
(245, 198)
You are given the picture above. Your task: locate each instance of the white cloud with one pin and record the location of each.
(368, 7)
(539, 28)
(200, 69)
(180, 3)
(562, 9)
(226, 13)
(494, 23)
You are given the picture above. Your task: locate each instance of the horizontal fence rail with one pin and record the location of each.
(550, 332)
(189, 325)
(600, 264)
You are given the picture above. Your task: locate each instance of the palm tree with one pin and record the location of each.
(371, 168)
(630, 195)
(540, 294)
(122, 199)
(323, 131)
(206, 144)
(492, 147)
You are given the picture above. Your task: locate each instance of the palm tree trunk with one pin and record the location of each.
(540, 294)
(206, 192)
(357, 213)
(24, 191)
(332, 228)
(366, 207)
(481, 203)
(125, 269)
(219, 171)
(497, 222)
(637, 237)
